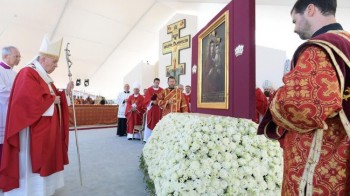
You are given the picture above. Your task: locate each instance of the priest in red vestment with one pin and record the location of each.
(172, 99)
(36, 135)
(154, 113)
(260, 105)
(310, 114)
(188, 96)
(134, 111)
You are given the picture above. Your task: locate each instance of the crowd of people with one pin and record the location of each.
(136, 109)
(80, 100)
(99, 100)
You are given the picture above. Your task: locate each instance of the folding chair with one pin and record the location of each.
(139, 129)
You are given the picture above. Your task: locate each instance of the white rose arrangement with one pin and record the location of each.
(189, 154)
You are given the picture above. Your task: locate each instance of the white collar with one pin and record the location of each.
(41, 71)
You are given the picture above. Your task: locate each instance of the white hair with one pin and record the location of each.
(7, 50)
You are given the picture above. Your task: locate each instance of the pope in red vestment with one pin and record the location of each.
(134, 111)
(40, 111)
(310, 114)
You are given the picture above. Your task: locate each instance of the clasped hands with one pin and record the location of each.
(172, 101)
(133, 107)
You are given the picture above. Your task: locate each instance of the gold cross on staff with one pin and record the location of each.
(174, 46)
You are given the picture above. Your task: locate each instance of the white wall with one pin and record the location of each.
(185, 54)
(275, 41)
(142, 73)
(274, 27)
(269, 65)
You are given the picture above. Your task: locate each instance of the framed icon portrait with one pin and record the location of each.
(213, 65)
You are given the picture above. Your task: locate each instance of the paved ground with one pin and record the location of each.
(110, 165)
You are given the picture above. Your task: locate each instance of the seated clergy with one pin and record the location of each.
(134, 111)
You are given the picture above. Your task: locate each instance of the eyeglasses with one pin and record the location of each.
(17, 56)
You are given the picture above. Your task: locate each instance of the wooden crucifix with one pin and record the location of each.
(174, 46)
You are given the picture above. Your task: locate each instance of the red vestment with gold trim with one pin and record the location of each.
(178, 105)
(308, 117)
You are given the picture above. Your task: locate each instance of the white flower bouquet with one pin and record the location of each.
(189, 154)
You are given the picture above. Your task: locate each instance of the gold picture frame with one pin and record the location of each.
(213, 65)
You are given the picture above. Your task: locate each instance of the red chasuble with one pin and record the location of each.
(310, 108)
(179, 102)
(30, 98)
(134, 117)
(155, 113)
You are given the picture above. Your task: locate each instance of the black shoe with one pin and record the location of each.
(129, 138)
